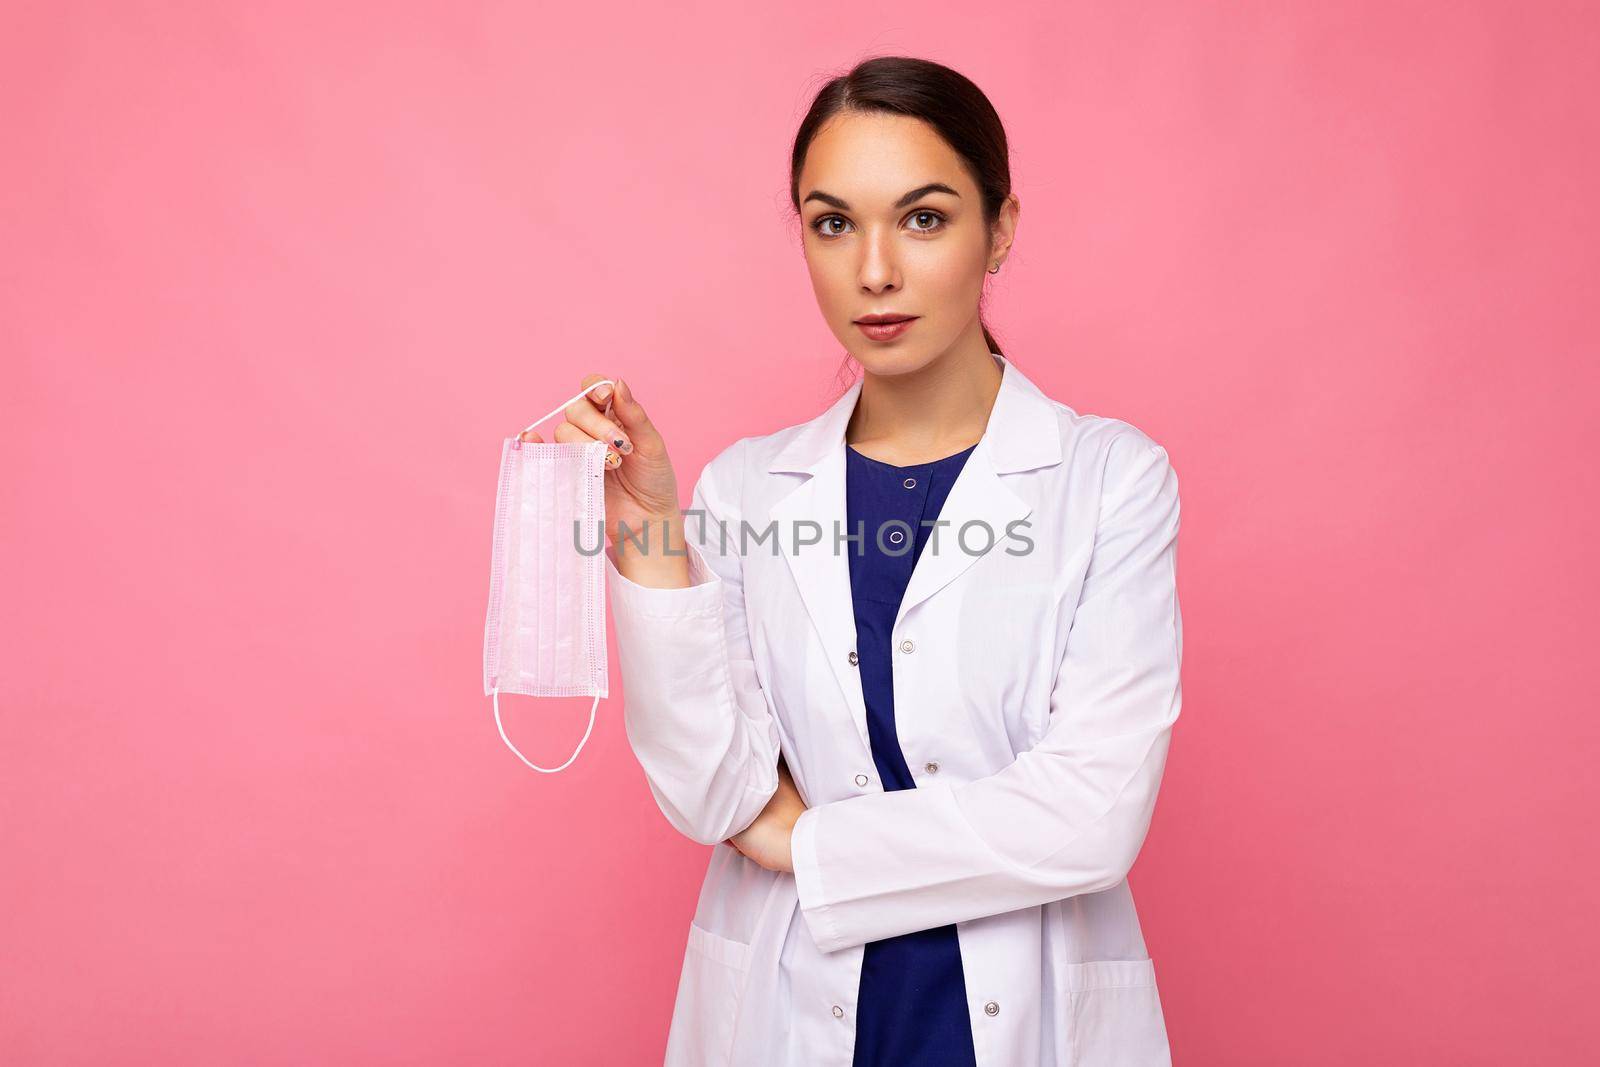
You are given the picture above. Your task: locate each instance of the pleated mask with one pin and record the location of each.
(545, 634)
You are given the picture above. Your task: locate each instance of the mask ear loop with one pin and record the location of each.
(525, 759)
(496, 691)
(563, 405)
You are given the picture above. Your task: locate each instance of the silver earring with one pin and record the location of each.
(995, 269)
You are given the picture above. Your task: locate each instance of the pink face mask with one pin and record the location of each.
(545, 635)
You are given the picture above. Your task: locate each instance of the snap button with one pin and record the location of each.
(932, 767)
(862, 779)
(896, 536)
(838, 1012)
(854, 659)
(910, 483)
(907, 645)
(991, 1008)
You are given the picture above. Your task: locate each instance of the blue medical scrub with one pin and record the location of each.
(912, 1007)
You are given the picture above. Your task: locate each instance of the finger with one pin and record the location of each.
(630, 414)
(568, 434)
(531, 435)
(598, 397)
(588, 417)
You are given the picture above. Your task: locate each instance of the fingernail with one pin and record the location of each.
(604, 393)
(623, 445)
(612, 459)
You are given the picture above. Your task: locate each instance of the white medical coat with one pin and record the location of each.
(1035, 690)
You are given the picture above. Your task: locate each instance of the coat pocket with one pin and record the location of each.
(1115, 1016)
(713, 980)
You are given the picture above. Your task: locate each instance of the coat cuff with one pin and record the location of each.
(808, 880)
(703, 594)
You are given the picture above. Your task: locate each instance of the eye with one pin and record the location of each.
(934, 227)
(818, 224)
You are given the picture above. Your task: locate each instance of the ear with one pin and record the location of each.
(1005, 229)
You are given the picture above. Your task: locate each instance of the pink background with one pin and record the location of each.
(278, 278)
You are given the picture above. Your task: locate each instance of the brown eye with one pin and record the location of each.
(821, 224)
(938, 221)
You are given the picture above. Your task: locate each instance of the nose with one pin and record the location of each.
(879, 270)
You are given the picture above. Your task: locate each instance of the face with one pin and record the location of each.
(893, 225)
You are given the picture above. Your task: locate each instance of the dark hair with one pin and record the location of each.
(943, 98)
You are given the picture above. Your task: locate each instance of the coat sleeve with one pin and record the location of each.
(1069, 815)
(694, 713)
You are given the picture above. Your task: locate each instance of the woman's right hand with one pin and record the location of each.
(641, 487)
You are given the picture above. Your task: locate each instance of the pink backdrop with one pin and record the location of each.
(278, 278)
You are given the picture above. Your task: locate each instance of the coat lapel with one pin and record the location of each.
(821, 574)
(1022, 433)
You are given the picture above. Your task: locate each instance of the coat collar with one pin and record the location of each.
(1022, 433)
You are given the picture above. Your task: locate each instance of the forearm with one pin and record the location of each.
(884, 864)
(654, 556)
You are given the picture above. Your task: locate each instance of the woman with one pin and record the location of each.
(927, 755)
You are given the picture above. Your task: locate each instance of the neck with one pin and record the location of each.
(937, 410)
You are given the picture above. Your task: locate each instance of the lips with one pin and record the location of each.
(884, 326)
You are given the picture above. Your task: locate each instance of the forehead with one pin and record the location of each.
(873, 159)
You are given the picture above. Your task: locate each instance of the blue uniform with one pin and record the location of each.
(912, 1008)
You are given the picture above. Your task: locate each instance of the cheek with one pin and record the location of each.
(949, 273)
(832, 281)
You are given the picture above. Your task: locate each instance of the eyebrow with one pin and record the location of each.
(916, 194)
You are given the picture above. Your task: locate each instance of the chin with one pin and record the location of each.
(890, 358)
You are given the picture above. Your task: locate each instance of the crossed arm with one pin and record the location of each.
(1067, 817)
